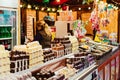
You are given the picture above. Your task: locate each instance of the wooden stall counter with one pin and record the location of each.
(109, 65)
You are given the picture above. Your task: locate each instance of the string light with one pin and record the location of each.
(29, 6)
(89, 8)
(70, 10)
(36, 8)
(116, 2)
(79, 8)
(48, 9)
(21, 5)
(57, 0)
(42, 9)
(53, 9)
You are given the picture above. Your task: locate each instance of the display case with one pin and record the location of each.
(8, 27)
(73, 66)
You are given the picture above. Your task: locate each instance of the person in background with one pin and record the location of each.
(43, 34)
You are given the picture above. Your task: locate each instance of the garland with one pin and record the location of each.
(115, 2)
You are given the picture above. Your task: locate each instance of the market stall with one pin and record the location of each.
(70, 57)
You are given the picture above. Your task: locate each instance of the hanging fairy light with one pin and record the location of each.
(79, 8)
(53, 9)
(21, 5)
(36, 8)
(89, 8)
(116, 2)
(70, 10)
(42, 9)
(48, 9)
(29, 6)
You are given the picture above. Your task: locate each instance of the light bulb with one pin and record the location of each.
(36, 8)
(29, 6)
(58, 0)
(79, 8)
(21, 5)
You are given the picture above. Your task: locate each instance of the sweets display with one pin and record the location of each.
(65, 72)
(4, 61)
(21, 76)
(57, 77)
(43, 74)
(61, 46)
(74, 43)
(48, 54)
(67, 45)
(19, 61)
(2, 47)
(80, 61)
(58, 50)
(96, 49)
(27, 56)
(35, 52)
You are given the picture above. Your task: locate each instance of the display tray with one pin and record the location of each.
(102, 59)
(98, 50)
(104, 54)
(82, 74)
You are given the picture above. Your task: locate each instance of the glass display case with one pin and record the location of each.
(8, 26)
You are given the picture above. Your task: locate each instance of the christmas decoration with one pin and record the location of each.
(45, 1)
(87, 1)
(79, 28)
(94, 19)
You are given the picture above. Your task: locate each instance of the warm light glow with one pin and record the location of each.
(29, 6)
(97, 0)
(70, 10)
(79, 8)
(42, 9)
(53, 9)
(36, 8)
(57, 0)
(21, 5)
(115, 7)
(48, 9)
(89, 8)
(60, 10)
(109, 5)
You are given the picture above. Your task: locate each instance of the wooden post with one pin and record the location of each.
(118, 38)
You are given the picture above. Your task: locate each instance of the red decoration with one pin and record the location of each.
(64, 7)
(58, 3)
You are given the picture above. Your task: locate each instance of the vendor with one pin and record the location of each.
(43, 34)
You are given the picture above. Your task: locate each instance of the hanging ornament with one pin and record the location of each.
(79, 28)
(58, 2)
(94, 19)
(64, 7)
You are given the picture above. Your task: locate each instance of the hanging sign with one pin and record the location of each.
(30, 27)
